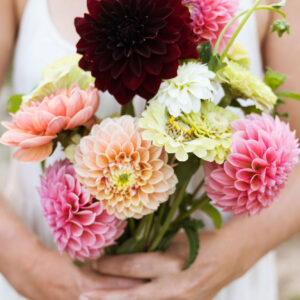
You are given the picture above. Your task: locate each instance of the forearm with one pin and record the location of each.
(18, 244)
(257, 235)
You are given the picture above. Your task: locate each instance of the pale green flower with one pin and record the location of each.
(240, 55)
(245, 85)
(63, 73)
(207, 134)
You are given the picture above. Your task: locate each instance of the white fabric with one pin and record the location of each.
(40, 44)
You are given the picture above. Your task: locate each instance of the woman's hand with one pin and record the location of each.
(219, 262)
(52, 276)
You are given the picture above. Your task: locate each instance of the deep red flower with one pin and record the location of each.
(130, 46)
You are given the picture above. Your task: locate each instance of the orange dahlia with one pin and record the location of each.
(129, 175)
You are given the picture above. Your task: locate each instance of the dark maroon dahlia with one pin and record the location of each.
(130, 46)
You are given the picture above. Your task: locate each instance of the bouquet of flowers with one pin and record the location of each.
(124, 185)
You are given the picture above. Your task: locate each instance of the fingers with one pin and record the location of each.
(92, 281)
(142, 265)
(128, 294)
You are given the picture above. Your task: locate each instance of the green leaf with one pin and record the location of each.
(78, 263)
(288, 94)
(197, 224)
(194, 243)
(214, 214)
(205, 52)
(132, 245)
(274, 79)
(187, 169)
(14, 103)
(166, 240)
(281, 27)
(215, 64)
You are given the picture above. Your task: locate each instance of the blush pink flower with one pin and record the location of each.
(80, 225)
(35, 126)
(130, 176)
(263, 153)
(210, 17)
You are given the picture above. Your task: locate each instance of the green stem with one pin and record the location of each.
(131, 226)
(123, 110)
(141, 227)
(148, 226)
(198, 188)
(254, 8)
(217, 46)
(267, 7)
(201, 203)
(161, 213)
(170, 216)
(238, 30)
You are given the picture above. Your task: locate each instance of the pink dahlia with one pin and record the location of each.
(35, 126)
(263, 153)
(130, 176)
(81, 226)
(210, 17)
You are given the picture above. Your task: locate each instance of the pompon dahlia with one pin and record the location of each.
(130, 176)
(35, 126)
(80, 225)
(210, 17)
(263, 153)
(131, 45)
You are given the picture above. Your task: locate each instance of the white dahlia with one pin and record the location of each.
(184, 93)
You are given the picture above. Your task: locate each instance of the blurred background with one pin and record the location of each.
(288, 258)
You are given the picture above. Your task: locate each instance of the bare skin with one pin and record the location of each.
(225, 255)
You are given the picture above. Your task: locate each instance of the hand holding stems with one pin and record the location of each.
(224, 256)
(38, 273)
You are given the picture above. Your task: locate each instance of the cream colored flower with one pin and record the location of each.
(206, 134)
(128, 174)
(240, 55)
(184, 93)
(245, 85)
(62, 74)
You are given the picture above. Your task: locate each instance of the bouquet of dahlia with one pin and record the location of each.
(124, 185)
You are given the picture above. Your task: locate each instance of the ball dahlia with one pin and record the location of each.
(80, 225)
(36, 125)
(210, 17)
(263, 153)
(131, 45)
(129, 175)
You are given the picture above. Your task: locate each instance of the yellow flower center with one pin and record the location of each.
(180, 131)
(123, 178)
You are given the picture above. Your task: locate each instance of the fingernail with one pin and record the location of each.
(84, 298)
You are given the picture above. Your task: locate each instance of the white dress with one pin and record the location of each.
(40, 44)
